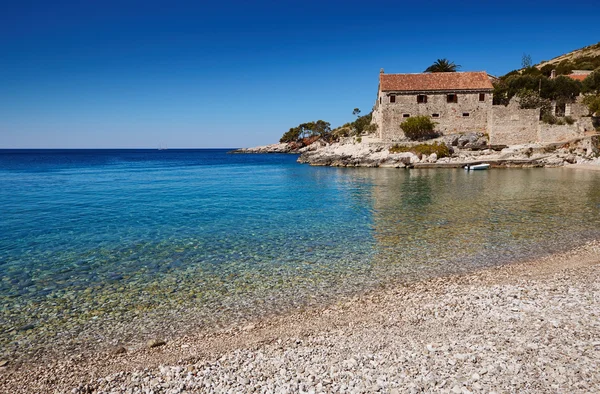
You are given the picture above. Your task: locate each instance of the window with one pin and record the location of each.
(392, 99)
(379, 100)
(421, 99)
(481, 96)
(465, 114)
(452, 98)
(406, 115)
(435, 115)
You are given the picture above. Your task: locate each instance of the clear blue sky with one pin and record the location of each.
(106, 74)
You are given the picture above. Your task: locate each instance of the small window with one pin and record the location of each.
(435, 115)
(465, 114)
(379, 100)
(481, 96)
(452, 98)
(406, 115)
(392, 99)
(421, 99)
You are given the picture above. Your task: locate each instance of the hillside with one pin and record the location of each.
(587, 57)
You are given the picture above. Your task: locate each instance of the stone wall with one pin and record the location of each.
(468, 114)
(578, 110)
(511, 125)
(557, 133)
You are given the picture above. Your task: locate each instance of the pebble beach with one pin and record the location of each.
(526, 327)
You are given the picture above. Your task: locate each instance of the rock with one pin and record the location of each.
(118, 350)
(155, 343)
(571, 159)
(3, 363)
(27, 327)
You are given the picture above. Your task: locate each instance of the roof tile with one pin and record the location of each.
(453, 81)
(577, 77)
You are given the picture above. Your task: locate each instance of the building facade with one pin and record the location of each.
(458, 102)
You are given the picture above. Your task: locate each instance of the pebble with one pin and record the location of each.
(155, 343)
(454, 335)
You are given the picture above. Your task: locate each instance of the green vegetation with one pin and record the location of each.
(567, 66)
(307, 133)
(551, 119)
(360, 125)
(318, 128)
(442, 66)
(591, 84)
(419, 128)
(536, 91)
(593, 103)
(441, 150)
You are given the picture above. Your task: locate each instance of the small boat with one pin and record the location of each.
(474, 167)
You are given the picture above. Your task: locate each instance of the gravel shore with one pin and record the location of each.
(528, 327)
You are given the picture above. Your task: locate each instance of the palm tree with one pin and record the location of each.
(442, 66)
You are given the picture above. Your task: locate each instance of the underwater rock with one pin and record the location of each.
(119, 350)
(155, 343)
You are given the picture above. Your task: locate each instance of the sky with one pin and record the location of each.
(199, 74)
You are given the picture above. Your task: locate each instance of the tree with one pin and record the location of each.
(419, 128)
(292, 135)
(318, 128)
(442, 66)
(593, 104)
(591, 83)
(529, 99)
(356, 112)
(526, 60)
(565, 89)
(547, 70)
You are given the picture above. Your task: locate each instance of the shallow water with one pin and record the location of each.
(99, 247)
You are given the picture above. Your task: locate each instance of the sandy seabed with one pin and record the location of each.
(526, 327)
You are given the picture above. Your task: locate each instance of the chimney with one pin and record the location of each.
(553, 74)
(381, 71)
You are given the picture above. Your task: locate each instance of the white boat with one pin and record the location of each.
(474, 167)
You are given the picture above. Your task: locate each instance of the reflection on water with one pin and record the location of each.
(129, 245)
(431, 221)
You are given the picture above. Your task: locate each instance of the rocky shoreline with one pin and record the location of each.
(531, 326)
(464, 150)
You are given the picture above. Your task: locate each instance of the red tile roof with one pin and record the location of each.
(435, 81)
(577, 77)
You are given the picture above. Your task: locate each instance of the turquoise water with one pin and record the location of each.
(100, 247)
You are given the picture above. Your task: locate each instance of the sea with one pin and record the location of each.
(106, 247)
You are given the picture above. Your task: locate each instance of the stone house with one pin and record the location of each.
(461, 102)
(576, 108)
(458, 101)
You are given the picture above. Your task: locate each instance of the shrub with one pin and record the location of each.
(593, 103)
(359, 139)
(591, 84)
(441, 150)
(419, 128)
(549, 118)
(371, 128)
(569, 120)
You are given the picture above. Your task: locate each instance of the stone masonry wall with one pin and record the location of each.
(511, 125)
(558, 133)
(578, 110)
(450, 119)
